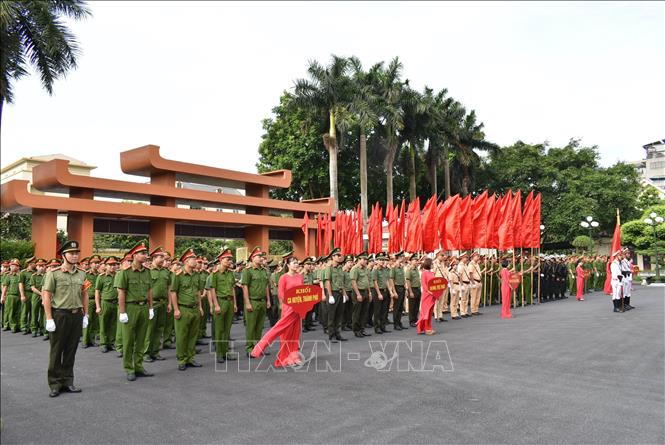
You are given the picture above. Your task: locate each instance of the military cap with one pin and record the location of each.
(69, 246)
(54, 262)
(308, 260)
(95, 259)
(226, 253)
(213, 263)
(362, 255)
(256, 252)
(126, 258)
(463, 254)
(84, 260)
(272, 263)
(199, 259)
(112, 260)
(158, 251)
(15, 262)
(187, 254)
(40, 262)
(32, 259)
(348, 258)
(5, 263)
(381, 256)
(139, 247)
(335, 251)
(287, 255)
(399, 254)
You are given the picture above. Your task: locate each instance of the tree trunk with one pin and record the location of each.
(466, 180)
(363, 172)
(432, 174)
(412, 171)
(446, 171)
(330, 142)
(388, 165)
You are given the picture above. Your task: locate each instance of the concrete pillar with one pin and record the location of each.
(257, 235)
(44, 233)
(80, 225)
(299, 243)
(162, 231)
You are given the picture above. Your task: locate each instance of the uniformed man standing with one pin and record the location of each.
(106, 304)
(361, 295)
(159, 282)
(135, 306)
(256, 296)
(627, 272)
(11, 296)
(65, 300)
(309, 277)
(475, 283)
(397, 277)
(347, 323)
(36, 281)
(169, 326)
(412, 277)
(221, 298)
(334, 282)
(26, 294)
(379, 280)
(92, 330)
(187, 310)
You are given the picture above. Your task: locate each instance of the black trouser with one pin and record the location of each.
(360, 308)
(273, 312)
(308, 321)
(370, 309)
(240, 301)
(64, 341)
(398, 307)
(414, 305)
(348, 310)
(335, 311)
(381, 309)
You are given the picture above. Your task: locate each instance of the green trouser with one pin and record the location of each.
(203, 324)
(222, 324)
(186, 334)
(26, 307)
(254, 322)
(528, 292)
(153, 337)
(360, 308)
(37, 314)
(64, 341)
(108, 323)
(335, 312)
(92, 330)
(118, 332)
(378, 309)
(133, 337)
(169, 329)
(12, 312)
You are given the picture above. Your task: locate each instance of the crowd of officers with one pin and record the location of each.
(145, 302)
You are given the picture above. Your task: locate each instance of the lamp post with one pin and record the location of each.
(653, 220)
(590, 224)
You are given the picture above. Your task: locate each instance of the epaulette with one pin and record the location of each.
(127, 267)
(178, 272)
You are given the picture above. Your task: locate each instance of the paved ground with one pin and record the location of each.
(561, 372)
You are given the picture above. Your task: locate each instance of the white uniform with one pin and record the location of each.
(627, 277)
(615, 271)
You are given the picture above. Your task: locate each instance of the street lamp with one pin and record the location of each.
(653, 221)
(589, 224)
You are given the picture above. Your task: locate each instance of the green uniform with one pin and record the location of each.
(108, 319)
(187, 288)
(323, 304)
(275, 304)
(118, 330)
(66, 290)
(37, 313)
(26, 306)
(308, 321)
(224, 285)
(256, 280)
(359, 315)
(397, 275)
(348, 306)
(414, 303)
(159, 283)
(203, 324)
(12, 309)
(380, 276)
(335, 275)
(136, 284)
(92, 330)
(169, 327)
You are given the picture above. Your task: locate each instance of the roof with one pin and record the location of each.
(45, 158)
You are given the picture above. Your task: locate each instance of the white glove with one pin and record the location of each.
(151, 314)
(123, 318)
(50, 325)
(345, 299)
(331, 300)
(85, 321)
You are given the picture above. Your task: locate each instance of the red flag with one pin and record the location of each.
(517, 219)
(319, 241)
(329, 233)
(535, 230)
(430, 226)
(480, 220)
(466, 222)
(359, 232)
(371, 229)
(414, 230)
(527, 221)
(441, 211)
(453, 235)
(490, 214)
(305, 230)
(616, 245)
(506, 233)
(400, 233)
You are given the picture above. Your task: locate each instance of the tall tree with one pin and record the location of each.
(34, 32)
(470, 136)
(327, 90)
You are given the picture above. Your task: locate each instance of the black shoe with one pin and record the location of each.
(105, 349)
(131, 377)
(54, 393)
(201, 342)
(34, 334)
(365, 334)
(231, 357)
(168, 346)
(384, 330)
(457, 318)
(85, 345)
(194, 364)
(144, 373)
(404, 327)
(148, 359)
(71, 388)
(26, 332)
(412, 324)
(340, 338)
(397, 328)
(378, 332)
(182, 367)
(119, 354)
(159, 357)
(344, 328)
(332, 339)
(358, 334)
(220, 360)
(478, 313)
(466, 316)
(45, 338)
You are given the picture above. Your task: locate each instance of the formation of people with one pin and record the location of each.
(148, 301)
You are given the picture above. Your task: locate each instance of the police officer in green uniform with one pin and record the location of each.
(65, 300)
(187, 310)
(256, 295)
(37, 313)
(26, 295)
(360, 295)
(11, 296)
(202, 274)
(135, 306)
(159, 283)
(333, 279)
(92, 330)
(397, 277)
(412, 278)
(106, 304)
(347, 324)
(125, 264)
(221, 298)
(379, 282)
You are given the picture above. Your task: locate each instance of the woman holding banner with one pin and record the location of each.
(505, 290)
(427, 300)
(288, 326)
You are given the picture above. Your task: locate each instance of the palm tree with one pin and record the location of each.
(33, 32)
(327, 90)
(469, 137)
(388, 89)
(445, 116)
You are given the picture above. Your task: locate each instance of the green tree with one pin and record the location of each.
(649, 196)
(34, 32)
(16, 226)
(639, 235)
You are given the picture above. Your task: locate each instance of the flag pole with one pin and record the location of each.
(619, 224)
(539, 275)
(521, 271)
(514, 290)
(531, 272)
(485, 283)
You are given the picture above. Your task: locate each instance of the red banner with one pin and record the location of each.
(437, 286)
(515, 280)
(303, 298)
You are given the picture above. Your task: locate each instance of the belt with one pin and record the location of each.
(140, 303)
(161, 300)
(110, 301)
(224, 298)
(466, 282)
(257, 299)
(189, 306)
(67, 311)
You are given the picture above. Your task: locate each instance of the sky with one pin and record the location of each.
(197, 79)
